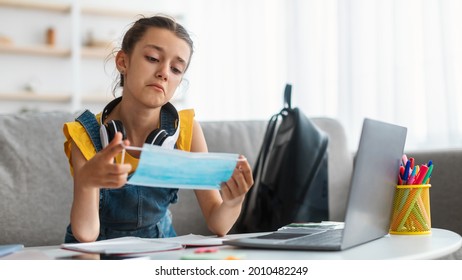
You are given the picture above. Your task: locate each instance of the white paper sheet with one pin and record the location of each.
(123, 245)
(194, 240)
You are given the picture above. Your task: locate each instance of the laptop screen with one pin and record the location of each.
(375, 174)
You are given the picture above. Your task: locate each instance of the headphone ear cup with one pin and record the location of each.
(157, 137)
(107, 131)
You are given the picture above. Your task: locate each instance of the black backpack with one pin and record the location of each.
(290, 174)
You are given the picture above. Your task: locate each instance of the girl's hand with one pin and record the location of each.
(233, 191)
(102, 171)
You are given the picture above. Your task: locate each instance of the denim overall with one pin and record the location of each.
(131, 210)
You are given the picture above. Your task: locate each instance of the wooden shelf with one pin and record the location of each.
(113, 12)
(43, 50)
(66, 8)
(55, 98)
(26, 96)
(96, 52)
(35, 5)
(35, 50)
(96, 99)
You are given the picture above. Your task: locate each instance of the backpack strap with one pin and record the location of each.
(288, 96)
(88, 120)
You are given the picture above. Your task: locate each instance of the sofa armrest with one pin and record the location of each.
(446, 189)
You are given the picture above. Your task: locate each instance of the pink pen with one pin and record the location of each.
(412, 177)
(404, 159)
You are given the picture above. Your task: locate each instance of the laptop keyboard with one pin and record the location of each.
(281, 236)
(328, 238)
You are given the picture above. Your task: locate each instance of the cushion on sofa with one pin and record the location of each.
(35, 184)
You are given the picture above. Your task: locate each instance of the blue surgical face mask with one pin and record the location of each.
(160, 167)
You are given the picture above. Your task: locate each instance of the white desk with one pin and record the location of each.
(438, 244)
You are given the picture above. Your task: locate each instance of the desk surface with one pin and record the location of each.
(438, 244)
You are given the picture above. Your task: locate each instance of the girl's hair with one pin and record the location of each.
(138, 29)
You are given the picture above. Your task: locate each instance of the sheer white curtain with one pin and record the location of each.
(239, 67)
(398, 61)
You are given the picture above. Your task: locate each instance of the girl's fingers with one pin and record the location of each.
(116, 169)
(244, 167)
(113, 149)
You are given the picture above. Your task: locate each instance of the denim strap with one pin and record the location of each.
(91, 125)
(168, 118)
(88, 120)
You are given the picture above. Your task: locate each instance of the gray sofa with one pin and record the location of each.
(36, 186)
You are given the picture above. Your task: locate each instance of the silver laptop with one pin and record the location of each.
(370, 199)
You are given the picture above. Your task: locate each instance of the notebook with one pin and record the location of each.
(370, 200)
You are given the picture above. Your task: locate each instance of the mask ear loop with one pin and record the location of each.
(133, 148)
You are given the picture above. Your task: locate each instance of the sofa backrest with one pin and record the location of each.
(36, 186)
(245, 137)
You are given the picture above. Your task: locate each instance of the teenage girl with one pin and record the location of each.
(153, 59)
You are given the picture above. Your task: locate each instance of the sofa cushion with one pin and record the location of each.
(340, 166)
(35, 184)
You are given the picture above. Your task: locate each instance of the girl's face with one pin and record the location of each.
(155, 68)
